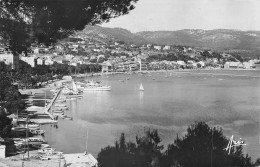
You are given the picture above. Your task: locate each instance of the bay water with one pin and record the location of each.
(170, 102)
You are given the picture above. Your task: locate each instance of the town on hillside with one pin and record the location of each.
(118, 56)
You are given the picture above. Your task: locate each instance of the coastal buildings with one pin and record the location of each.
(106, 67)
(2, 151)
(31, 60)
(9, 59)
(124, 57)
(239, 65)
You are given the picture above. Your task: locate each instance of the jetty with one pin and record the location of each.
(48, 107)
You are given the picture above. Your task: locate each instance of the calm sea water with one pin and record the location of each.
(171, 101)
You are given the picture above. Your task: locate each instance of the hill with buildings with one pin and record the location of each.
(235, 42)
(243, 43)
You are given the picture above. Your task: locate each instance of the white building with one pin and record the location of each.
(69, 57)
(249, 65)
(181, 63)
(157, 47)
(29, 60)
(2, 151)
(40, 61)
(106, 67)
(6, 58)
(49, 62)
(234, 65)
(167, 47)
(202, 63)
(10, 59)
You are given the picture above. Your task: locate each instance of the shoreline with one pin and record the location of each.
(34, 157)
(187, 71)
(155, 71)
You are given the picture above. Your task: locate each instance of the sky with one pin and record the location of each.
(155, 15)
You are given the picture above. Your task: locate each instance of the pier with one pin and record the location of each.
(48, 107)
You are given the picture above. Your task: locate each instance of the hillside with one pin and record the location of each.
(235, 42)
(114, 34)
(243, 43)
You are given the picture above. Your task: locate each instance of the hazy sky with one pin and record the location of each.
(152, 15)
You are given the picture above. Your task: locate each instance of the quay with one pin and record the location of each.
(48, 107)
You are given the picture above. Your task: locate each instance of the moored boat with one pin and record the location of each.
(60, 105)
(58, 111)
(96, 86)
(37, 132)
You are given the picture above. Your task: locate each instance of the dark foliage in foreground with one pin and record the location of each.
(23, 22)
(5, 123)
(144, 153)
(202, 146)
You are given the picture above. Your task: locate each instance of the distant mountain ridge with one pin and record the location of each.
(216, 39)
(244, 43)
(108, 34)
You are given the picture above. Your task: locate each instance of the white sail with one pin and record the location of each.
(141, 87)
(74, 87)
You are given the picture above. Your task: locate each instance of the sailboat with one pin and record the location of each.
(141, 88)
(74, 88)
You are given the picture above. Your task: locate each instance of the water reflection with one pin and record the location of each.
(141, 97)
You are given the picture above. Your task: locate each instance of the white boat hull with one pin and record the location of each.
(98, 89)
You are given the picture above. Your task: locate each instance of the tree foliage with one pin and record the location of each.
(119, 155)
(23, 22)
(5, 123)
(202, 146)
(9, 93)
(146, 151)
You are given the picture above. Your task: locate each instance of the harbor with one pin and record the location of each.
(86, 121)
(31, 148)
(163, 105)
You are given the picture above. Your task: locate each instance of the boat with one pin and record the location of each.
(62, 108)
(96, 86)
(37, 132)
(58, 112)
(45, 146)
(62, 97)
(79, 86)
(60, 101)
(46, 150)
(33, 125)
(66, 91)
(74, 89)
(67, 118)
(32, 141)
(73, 96)
(60, 105)
(141, 88)
(58, 109)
